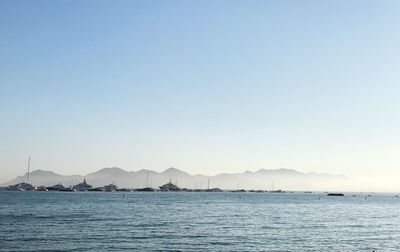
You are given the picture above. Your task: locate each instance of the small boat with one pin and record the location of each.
(217, 190)
(110, 188)
(169, 187)
(96, 189)
(335, 194)
(124, 190)
(42, 189)
(238, 191)
(25, 185)
(146, 189)
(277, 191)
(68, 189)
(58, 187)
(18, 187)
(84, 186)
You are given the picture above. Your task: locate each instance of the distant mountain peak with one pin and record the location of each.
(146, 171)
(42, 172)
(109, 170)
(174, 171)
(279, 171)
(287, 170)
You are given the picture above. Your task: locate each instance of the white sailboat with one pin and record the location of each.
(24, 186)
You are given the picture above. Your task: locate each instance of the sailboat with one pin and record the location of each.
(24, 186)
(147, 188)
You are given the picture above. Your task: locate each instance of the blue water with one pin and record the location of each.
(159, 221)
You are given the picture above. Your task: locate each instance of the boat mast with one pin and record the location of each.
(29, 164)
(147, 179)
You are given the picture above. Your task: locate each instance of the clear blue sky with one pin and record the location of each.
(204, 86)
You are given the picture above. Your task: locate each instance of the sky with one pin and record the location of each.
(203, 86)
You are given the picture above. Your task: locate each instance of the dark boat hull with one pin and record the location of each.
(335, 194)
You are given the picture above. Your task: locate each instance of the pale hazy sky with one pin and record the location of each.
(203, 86)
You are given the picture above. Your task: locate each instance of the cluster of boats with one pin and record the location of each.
(168, 187)
(24, 186)
(84, 186)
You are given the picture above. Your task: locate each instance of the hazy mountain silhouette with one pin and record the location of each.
(267, 179)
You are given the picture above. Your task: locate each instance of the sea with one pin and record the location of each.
(191, 221)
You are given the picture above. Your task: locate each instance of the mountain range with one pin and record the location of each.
(265, 179)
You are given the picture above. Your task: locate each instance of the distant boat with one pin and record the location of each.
(68, 189)
(42, 189)
(24, 186)
(110, 188)
(335, 194)
(84, 186)
(146, 189)
(21, 187)
(58, 187)
(124, 190)
(169, 187)
(96, 189)
(253, 191)
(238, 191)
(278, 191)
(213, 190)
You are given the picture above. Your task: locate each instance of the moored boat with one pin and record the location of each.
(58, 187)
(335, 194)
(84, 186)
(41, 189)
(24, 186)
(68, 189)
(96, 189)
(146, 189)
(21, 187)
(110, 188)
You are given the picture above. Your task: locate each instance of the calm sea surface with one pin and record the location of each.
(93, 221)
